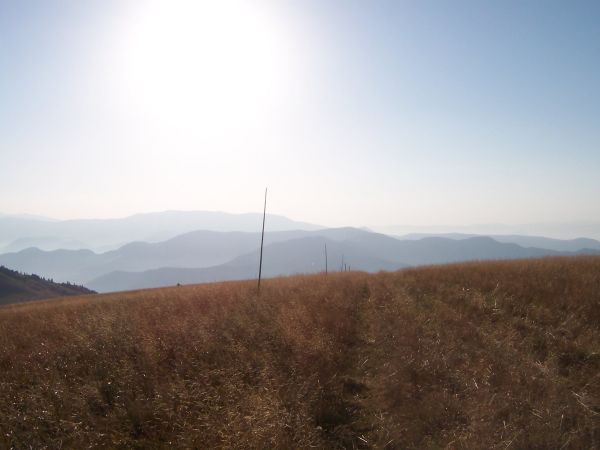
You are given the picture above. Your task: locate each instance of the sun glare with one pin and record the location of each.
(214, 65)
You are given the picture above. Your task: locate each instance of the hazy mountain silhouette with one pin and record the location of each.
(18, 287)
(47, 243)
(569, 230)
(361, 250)
(234, 255)
(103, 234)
(60, 265)
(192, 250)
(196, 249)
(563, 245)
(302, 255)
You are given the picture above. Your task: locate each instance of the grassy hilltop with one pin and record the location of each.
(478, 355)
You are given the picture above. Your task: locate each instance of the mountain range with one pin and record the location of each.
(203, 256)
(364, 251)
(556, 230)
(565, 245)
(20, 232)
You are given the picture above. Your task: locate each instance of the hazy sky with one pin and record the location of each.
(352, 112)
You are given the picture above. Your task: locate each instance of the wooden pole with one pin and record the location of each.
(262, 240)
(325, 259)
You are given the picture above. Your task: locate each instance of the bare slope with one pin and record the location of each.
(477, 355)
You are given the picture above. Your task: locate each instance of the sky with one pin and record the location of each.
(351, 112)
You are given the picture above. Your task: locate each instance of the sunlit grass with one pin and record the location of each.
(478, 355)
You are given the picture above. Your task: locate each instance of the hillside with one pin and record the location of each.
(478, 355)
(18, 287)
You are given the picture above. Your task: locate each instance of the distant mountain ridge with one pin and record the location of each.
(18, 287)
(360, 250)
(197, 249)
(211, 256)
(47, 243)
(104, 234)
(155, 249)
(555, 230)
(566, 245)
(296, 256)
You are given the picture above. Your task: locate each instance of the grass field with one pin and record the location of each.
(479, 355)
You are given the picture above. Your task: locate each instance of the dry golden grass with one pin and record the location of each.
(478, 355)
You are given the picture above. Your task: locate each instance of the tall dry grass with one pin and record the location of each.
(478, 355)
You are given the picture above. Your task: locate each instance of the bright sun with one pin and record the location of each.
(220, 64)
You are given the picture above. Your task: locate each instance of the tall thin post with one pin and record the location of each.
(262, 240)
(325, 259)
